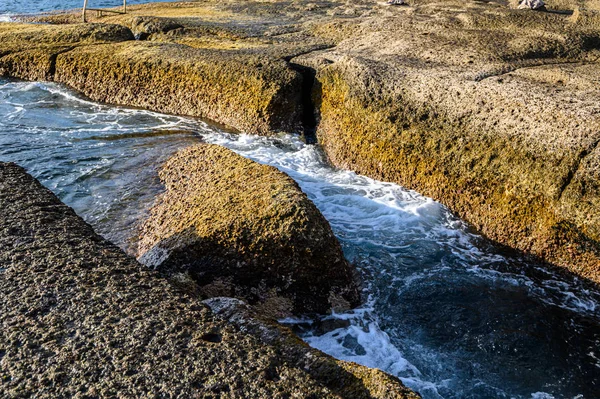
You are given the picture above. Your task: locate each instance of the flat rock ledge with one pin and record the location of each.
(79, 318)
(229, 226)
(489, 109)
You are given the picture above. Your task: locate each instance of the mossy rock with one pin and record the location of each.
(239, 228)
(506, 135)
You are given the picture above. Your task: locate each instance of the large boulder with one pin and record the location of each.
(79, 318)
(239, 228)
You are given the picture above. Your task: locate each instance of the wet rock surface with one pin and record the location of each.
(79, 318)
(238, 228)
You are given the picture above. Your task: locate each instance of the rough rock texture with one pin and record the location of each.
(78, 318)
(247, 319)
(177, 79)
(162, 76)
(489, 109)
(239, 228)
(30, 51)
(494, 112)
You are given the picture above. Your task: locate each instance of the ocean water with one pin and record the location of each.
(9, 8)
(444, 310)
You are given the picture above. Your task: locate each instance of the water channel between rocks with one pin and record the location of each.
(445, 310)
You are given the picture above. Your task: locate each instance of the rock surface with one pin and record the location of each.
(489, 109)
(79, 318)
(239, 228)
(494, 112)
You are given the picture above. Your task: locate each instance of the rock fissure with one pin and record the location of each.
(290, 57)
(53, 58)
(309, 116)
(573, 172)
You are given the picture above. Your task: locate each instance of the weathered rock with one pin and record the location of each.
(491, 110)
(178, 79)
(143, 27)
(78, 318)
(30, 51)
(376, 382)
(500, 133)
(195, 60)
(239, 228)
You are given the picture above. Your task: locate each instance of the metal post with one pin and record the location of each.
(124, 6)
(84, 7)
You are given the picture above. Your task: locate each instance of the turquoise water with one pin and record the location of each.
(444, 310)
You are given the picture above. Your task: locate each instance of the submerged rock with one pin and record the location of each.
(239, 228)
(79, 318)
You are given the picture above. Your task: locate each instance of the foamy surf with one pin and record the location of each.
(403, 243)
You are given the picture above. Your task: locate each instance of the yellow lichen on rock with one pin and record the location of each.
(488, 109)
(243, 229)
(504, 134)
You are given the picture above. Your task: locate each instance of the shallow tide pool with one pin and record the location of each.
(445, 310)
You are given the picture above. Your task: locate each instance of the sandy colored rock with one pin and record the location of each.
(79, 318)
(489, 109)
(30, 51)
(193, 59)
(239, 228)
(492, 111)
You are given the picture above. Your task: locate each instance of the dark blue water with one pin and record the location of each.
(11, 7)
(445, 310)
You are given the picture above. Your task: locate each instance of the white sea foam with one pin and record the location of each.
(541, 395)
(6, 17)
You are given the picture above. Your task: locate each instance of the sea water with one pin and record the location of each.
(9, 8)
(444, 309)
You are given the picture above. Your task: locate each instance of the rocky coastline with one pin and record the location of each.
(80, 318)
(491, 110)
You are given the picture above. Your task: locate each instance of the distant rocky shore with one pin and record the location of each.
(491, 110)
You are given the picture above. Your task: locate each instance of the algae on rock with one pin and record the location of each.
(243, 229)
(490, 110)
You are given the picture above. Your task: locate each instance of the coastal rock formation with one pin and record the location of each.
(489, 109)
(79, 318)
(105, 63)
(492, 111)
(239, 228)
(30, 51)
